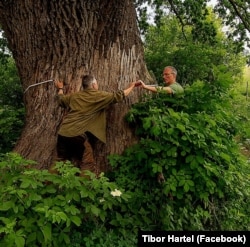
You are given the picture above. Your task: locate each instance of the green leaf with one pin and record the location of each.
(31, 238)
(73, 210)
(156, 130)
(179, 195)
(147, 123)
(204, 195)
(20, 193)
(76, 220)
(182, 182)
(84, 192)
(102, 216)
(200, 159)
(95, 210)
(170, 131)
(35, 197)
(184, 138)
(19, 241)
(66, 238)
(16, 209)
(225, 157)
(25, 184)
(62, 215)
(156, 168)
(190, 183)
(174, 172)
(194, 164)
(172, 187)
(60, 197)
(172, 152)
(46, 230)
(118, 217)
(181, 127)
(189, 158)
(5, 206)
(186, 187)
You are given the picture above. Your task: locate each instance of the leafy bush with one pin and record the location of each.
(10, 86)
(191, 142)
(42, 209)
(11, 105)
(11, 123)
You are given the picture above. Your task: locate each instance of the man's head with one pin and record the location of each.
(169, 75)
(89, 81)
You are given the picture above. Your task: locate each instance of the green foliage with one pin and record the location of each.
(11, 123)
(187, 12)
(168, 44)
(234, 15)
(11, 106)
(4, 53)
(10, 86)
(42, 209)
(102, 237)
(192, 143)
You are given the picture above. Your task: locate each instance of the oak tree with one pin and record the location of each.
(65, 40)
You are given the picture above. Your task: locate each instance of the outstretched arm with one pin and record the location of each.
(155, 89)
(129, 89)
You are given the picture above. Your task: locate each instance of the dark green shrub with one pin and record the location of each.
(42, 209)
(191, 141)
(11, 105)
(11, 123)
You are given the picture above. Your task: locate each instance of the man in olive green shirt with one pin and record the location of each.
(85, 121)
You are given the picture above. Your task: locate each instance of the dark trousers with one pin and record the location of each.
(78, 150)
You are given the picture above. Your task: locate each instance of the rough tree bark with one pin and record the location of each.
(65, 40)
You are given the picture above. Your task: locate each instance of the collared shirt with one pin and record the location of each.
(87, 112)
(177, 89)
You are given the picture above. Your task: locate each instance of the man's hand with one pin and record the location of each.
(140, 83)
(59, 84)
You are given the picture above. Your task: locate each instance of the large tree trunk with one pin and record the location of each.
(66, 40)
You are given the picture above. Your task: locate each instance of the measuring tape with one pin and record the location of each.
(36, 84)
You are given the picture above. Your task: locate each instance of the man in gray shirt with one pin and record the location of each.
(172, 87)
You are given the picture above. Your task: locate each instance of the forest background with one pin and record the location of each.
(200, 143)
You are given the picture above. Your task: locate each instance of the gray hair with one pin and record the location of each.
(174, 71)
(87, 80)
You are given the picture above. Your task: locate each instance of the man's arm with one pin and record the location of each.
(155, 89)
(129, 89)
(63, 100)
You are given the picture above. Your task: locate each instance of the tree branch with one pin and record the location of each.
(238, 13)
(178, 17)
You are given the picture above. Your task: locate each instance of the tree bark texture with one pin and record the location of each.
(65, 40)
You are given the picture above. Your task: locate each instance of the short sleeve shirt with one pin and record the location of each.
(177, 88)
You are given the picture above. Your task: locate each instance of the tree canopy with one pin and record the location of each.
(234, 13)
